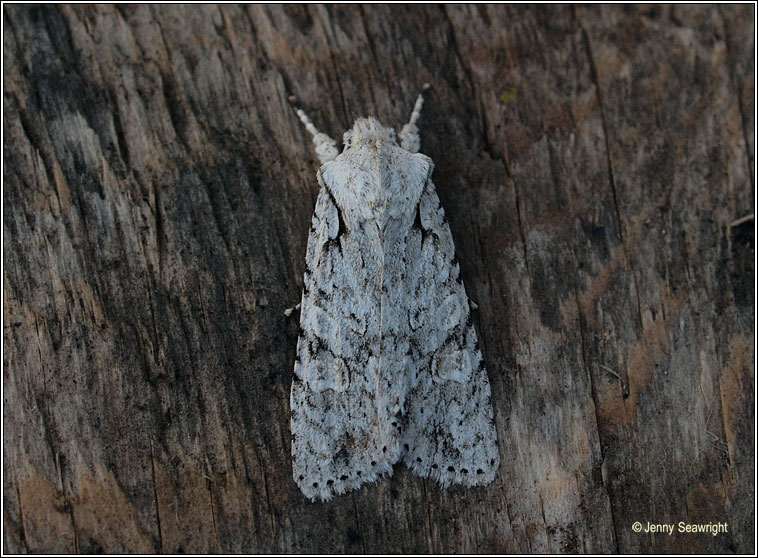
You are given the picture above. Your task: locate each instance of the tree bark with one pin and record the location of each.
(595, 164)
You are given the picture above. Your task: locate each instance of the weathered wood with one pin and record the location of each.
(158, 190)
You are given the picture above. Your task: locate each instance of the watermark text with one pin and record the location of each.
(681, 527)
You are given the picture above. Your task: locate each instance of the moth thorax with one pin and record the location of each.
(369, 130)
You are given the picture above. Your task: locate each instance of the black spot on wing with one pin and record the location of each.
(341, 227)
(418, 226)
(417, 220)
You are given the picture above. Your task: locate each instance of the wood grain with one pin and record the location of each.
(158, 190)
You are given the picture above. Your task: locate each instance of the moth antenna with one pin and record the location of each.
(410, 138)
(417, 107)
(326, 147)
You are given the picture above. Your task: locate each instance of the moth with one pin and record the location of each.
(388, 365)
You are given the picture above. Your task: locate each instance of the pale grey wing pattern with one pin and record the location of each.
(335, 443)
(451, 435)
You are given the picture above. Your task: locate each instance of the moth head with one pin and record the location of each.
(368, 130)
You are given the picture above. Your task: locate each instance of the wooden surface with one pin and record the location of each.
(158, 190)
